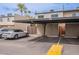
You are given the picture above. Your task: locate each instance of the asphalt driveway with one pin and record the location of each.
(37, 46)
(24, 46)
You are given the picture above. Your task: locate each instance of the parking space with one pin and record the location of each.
(71, 46)
(23, 46)
(70, 49)
(35, 45)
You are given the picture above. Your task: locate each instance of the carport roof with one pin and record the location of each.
(50, 20)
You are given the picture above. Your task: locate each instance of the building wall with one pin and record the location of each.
(22, 26)
(6, 21)
(32, 29)
(51, 29)
(40, 29)
(60, 14)
(48, 15)
(72, 30)
(68, 14)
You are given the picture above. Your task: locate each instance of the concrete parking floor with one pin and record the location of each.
(37, 46)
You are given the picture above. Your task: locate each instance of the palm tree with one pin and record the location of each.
(22, 9)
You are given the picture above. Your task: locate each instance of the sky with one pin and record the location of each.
(36, 7)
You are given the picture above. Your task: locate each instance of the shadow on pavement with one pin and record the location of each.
(45, 39)
(17, 38)
(74, 41)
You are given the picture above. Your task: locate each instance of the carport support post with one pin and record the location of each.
(44, 30)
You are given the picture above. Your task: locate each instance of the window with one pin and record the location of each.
(4, 30)
(54, 15)
(75, 14)
(8, 19)
(9, 14)
(2, 15)
(18, 31)
(0, 19)
(41, 16)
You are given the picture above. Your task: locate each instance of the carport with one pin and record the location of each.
(45, 21)
(58, 47)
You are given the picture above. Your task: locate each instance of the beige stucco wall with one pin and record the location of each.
(51, 29)
(40, 29)
(22, 17)
(22, 26)
(60, 14)
(72, 30)
(48, 15)
(68, 14)
(7, 22)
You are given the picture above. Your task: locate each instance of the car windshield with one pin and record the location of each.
(4, 30)
(14, 30)
(7, 30)
(10, 30)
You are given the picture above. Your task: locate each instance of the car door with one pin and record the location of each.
(17, 32)
(20, 33)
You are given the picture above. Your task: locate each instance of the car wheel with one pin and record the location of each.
(27, 34)
(5, 38)
(16, 37)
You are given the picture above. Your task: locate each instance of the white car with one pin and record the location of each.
(14, 33)
(3, 30)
